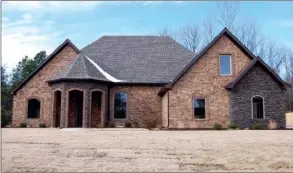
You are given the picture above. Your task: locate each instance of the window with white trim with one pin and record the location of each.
(257, 107)
(225, 65)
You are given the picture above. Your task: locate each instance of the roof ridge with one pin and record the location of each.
(83, 64)
(203, 51)
(133, 36)
(103, 72)
(113, 36)
(225, 30)
(70, 67)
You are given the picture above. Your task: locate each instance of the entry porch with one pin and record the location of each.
(79, 104)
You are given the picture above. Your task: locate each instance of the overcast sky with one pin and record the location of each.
(29, 27)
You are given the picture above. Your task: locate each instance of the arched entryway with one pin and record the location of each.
(75, 108)
(57, 108)
(97, 108)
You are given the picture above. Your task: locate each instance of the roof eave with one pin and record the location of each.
(232, 84)
(224, 31)
(75, 79)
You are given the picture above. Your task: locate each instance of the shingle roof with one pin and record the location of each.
(80, 69)
(139, 59)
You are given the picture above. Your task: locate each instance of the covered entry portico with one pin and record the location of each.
(79, 104)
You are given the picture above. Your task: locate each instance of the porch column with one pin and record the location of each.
(104, 107)
(63, 109)
(86, 123)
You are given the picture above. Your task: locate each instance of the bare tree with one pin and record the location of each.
(164, 32)
(250, 35)
(275, 56)
(190, 37)
(288, 67)
(227, 13)
(209, 31)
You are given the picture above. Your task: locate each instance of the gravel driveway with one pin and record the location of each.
(143, 150)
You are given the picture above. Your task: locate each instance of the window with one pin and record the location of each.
(199, 108)
(257, 107)
(120, 105)
(225, 65)
(34, 106)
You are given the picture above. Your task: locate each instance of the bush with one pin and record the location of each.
(5, 117)
(42, 125)
(233, 126)
(135, 124)
(217, 126)
(272, 125)
(4, 121)
(127, 124)
(110, 125)
(258, 127)
(151, 124)
(22, 125)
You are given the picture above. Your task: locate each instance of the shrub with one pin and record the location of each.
(135, 124)
(5, 117)
(258, 127)
(233, 126)
(42, 125)
(272, 125)
(110, 125)
(22, 125)
(151, 124)
(217, 126)
(4, 120)
(127, 124)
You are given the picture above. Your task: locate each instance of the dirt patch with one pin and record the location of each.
(99, 150)
(196, 167)
(281, 165)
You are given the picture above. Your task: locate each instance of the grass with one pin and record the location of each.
(100, 150)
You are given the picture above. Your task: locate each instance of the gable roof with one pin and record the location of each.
(226, 32)
(48, 59)
(139, 59)
(259, 61)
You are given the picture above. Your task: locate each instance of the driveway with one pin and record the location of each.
(143, 150)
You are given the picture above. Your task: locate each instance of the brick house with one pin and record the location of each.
(143, 79)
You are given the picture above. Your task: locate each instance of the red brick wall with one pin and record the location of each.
(96, 108)
(143, 104)
(203, 80)
(57, 108)
(38, 87)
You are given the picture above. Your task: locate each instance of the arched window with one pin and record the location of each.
(257, 107)
(120, 105)
(34, 106)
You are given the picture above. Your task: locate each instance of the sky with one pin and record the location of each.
(32, 26)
